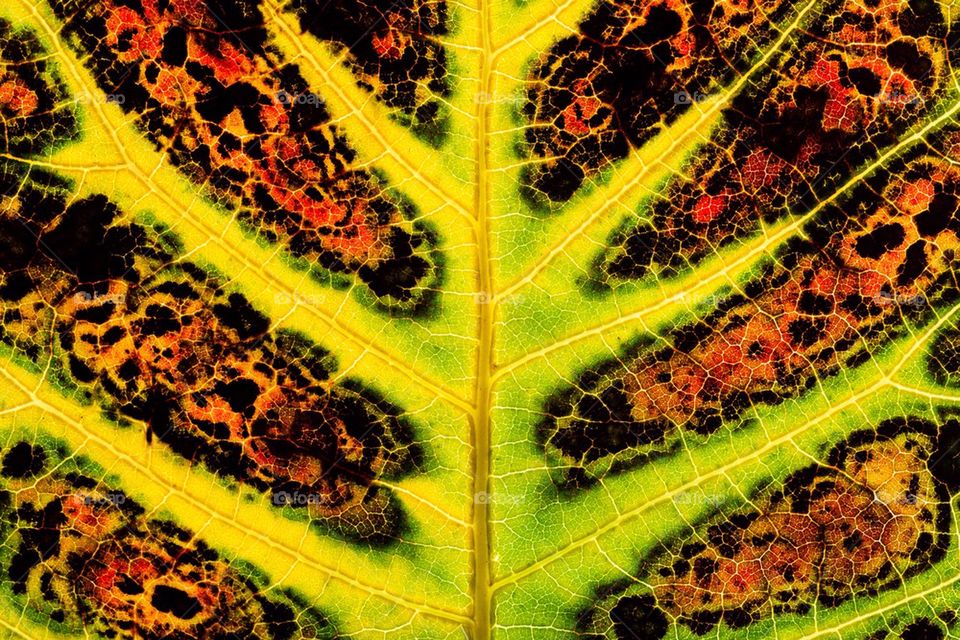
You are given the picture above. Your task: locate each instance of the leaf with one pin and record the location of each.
(490, 320)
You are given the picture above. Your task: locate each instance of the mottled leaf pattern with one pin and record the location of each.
(513, 319)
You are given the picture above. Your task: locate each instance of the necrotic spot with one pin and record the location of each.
(175, 601)
(23, 460)
(175, 46)
(922, 629)
(880, 240)
(638, 617)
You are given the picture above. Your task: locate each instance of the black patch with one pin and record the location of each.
(240, 394)
(922, 629)
(15, 286)
(23, 461)
(603, 425)
(938, 216)
(398, 276)
(175, 46)
(85, 244)
(944, 462)
(19, 244)
(159, 320)
(866, 81)
(175, 602)
(240, 316)
(638, 617)
(881, 240)
(914, 264)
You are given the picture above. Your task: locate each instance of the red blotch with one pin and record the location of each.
(709, 207)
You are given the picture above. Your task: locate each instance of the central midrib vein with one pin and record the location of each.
(482, 400)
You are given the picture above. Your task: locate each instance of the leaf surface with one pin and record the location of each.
(543, 319)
